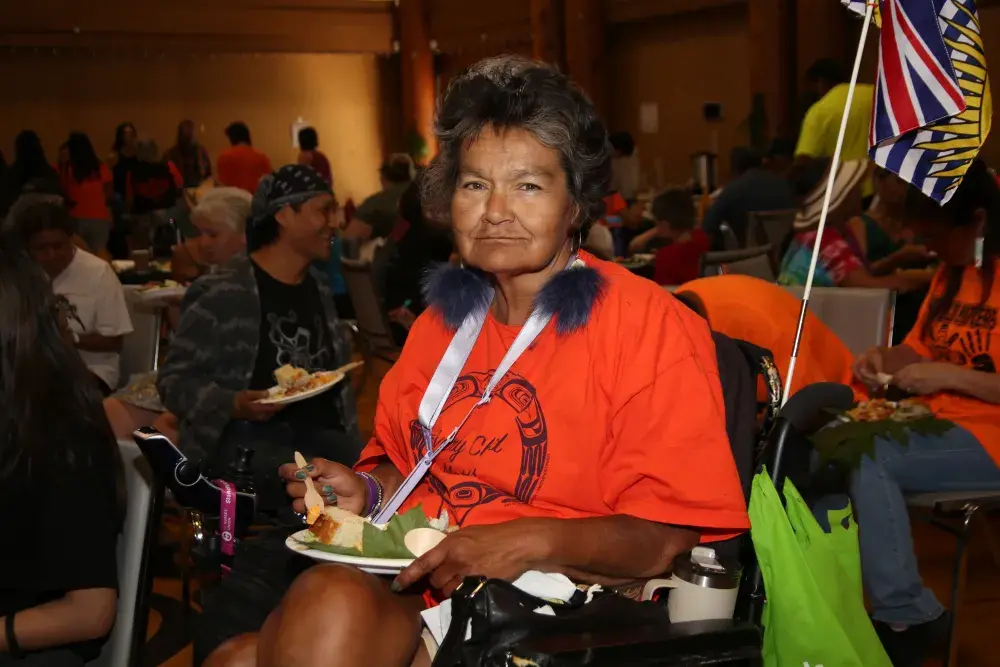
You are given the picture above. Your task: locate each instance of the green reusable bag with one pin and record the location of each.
(815, 612)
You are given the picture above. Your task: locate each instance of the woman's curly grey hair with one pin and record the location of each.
(514, 92)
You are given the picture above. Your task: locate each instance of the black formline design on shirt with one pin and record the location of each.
(518, 394)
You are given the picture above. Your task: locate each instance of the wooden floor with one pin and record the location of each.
(979, 615)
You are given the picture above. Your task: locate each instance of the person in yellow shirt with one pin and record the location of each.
(818, 136)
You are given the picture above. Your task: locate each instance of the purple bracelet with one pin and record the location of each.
(375, 493)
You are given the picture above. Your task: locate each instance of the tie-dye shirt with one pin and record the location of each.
(839, 256)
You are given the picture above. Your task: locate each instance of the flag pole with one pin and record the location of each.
(834, 164)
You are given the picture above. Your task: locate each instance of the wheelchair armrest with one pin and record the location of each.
(653, 643)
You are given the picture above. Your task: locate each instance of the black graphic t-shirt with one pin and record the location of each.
(293, 331)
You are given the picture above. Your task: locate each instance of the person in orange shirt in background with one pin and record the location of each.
(765, 314)
(88, 186)
(949, 359)
(242, 166)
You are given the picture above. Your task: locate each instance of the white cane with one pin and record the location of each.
(834, 165)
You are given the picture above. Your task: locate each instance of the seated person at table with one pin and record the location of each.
(62, 492)
(603, 452)
(221, 217)
(767, 315)
(754, 188)
(675, 216)
(678, 259)
(238, 325)
(841, 261)
(376, 217)
(950, 360)
(885, 241)
(423, 246)
(98, 315)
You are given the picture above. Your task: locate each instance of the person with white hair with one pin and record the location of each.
(221, 217)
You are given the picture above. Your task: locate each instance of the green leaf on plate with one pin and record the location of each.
(377, 543)
(848, 442)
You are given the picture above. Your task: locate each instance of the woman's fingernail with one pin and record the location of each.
(310, 467)
(327, 489)
(300, 475)
(332, 499)
(395, 587)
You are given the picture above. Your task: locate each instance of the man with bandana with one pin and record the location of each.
(238, 325)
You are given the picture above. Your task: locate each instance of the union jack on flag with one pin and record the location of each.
(933, 105)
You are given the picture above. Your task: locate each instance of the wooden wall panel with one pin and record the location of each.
(215, 26)
(338, 94)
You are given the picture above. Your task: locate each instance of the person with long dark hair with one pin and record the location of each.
(62, 493)
(30, 170)
(190, 156)
(950, 360)
(88, 185)
(122, 160)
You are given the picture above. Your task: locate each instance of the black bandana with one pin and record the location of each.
(289, 185)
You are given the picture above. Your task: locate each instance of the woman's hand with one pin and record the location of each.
(868, 366)
(928, 378)
(911, 254)
(338, 485)
(501, 551)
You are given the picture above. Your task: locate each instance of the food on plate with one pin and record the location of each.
(339, 531)
(879, 409)
(292, 381)
(339, 528)
(166, 284)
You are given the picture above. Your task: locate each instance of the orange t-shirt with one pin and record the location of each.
(90, 201)
(967, 335)
(242, 167)
(624, 416)
(766, 315)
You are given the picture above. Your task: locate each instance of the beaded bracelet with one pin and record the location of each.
(375, 494)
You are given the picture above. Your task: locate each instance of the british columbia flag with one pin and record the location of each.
(932, 100)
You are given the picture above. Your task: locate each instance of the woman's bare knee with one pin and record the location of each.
(237, 652)
(335, 615)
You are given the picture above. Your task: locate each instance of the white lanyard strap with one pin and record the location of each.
(440, 387)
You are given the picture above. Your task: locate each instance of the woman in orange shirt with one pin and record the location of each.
(949, 359)
(88, 186)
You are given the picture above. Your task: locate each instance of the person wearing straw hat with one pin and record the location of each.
(602, 453)
(841, 262)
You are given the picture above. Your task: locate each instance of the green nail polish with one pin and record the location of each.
(327, 489)
(332, 499)
(300, 475)
(310, 467)
(395, 587)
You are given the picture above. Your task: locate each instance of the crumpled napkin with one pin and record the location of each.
(539, 584)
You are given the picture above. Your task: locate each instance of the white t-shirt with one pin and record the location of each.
(98, 300)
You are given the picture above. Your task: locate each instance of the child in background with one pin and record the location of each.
(678, 243)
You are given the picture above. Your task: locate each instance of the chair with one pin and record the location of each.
(748, 261)
(958, 513)
(772, 227)
(860, 316)
(729, 240)
(375, 336)
(135, 547)
(141, 348)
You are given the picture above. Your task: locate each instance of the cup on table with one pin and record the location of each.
(141, 259)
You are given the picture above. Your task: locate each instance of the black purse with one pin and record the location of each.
(609, 631)
(503, 617)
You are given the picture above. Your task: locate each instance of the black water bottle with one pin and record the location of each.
(241, 470)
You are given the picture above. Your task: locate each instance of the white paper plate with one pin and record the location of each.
(386, 566)
(295, 398)
(158, 294)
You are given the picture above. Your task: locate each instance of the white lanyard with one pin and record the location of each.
(443, 382)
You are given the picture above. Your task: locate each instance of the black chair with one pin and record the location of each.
(733, 643)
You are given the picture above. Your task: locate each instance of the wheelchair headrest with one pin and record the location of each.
(809, 408)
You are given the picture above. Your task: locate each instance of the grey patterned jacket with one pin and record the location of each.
(212, 354)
